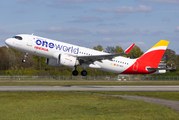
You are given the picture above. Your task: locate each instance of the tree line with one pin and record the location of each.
(11, 62)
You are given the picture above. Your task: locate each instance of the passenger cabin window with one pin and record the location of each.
(18, 37)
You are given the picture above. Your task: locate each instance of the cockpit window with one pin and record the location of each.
(18, 37)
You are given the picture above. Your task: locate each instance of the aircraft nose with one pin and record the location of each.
(8, 42)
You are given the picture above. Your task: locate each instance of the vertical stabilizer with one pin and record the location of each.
(149, 60)
(154, 55)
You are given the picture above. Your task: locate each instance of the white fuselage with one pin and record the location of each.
(48, 48)
(63, 54)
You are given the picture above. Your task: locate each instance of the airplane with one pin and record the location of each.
(60, 54)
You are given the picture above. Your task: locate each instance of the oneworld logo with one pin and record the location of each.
(61, 47)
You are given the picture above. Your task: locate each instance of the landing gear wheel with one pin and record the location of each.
(24, 60)
(75, 72)
(84, 73)
(25, 56)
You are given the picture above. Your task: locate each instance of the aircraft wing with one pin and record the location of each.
(106, 56)
(100, 57)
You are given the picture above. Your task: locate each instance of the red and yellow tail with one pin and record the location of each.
(149, 61)
(154, 55)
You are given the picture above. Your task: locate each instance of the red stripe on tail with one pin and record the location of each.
(149, 59)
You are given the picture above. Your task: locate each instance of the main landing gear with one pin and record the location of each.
(25, 56)
(75, 72)
(83, 73)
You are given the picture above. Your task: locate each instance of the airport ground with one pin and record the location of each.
(86, 104)
(52, 82)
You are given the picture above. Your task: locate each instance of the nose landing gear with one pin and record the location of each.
(25, 56)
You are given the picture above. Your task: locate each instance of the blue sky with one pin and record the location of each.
(90, 23)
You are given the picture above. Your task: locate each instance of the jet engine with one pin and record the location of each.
(63, 60)
(52, 62)
(67, 60)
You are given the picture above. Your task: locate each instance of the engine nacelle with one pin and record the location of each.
(53, 62)
(67, 60)
(62, 60)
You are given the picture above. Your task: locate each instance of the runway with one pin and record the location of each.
(89, 88)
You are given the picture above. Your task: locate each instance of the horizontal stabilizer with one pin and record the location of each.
(157, 70)
(152, 69)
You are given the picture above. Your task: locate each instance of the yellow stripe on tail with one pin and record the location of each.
(161, 43)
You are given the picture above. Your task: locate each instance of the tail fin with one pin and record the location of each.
(154, 55)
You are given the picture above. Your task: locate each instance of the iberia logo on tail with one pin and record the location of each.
(149, 61)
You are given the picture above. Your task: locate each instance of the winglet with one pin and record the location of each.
(129, 48)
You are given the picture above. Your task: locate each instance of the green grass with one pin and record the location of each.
(163, 95)
(73, 105)
(53, 83)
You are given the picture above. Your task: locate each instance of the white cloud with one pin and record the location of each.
(62, 3)
(85, 19)
(125, 9)
(122, 42)
(107, 39)
(177, 29)
(81, 1)
(114, 39)
(112, 24)
(140, 43)
(162, 1)
(104, 32)
(119, 33)
(65, 31)
(143, 46)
